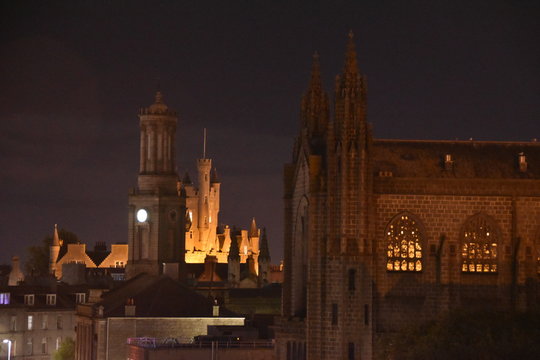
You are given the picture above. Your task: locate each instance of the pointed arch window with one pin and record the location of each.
(479, 245)
(404, 245)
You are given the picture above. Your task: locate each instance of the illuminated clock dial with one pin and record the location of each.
(142, 215)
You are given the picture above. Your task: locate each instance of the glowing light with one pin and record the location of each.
(142, 215)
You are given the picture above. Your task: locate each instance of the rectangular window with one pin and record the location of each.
(29, 346)
(366, 314)
(59, 322)
(58, 342)
(351, 351)
(4, 298)
(80, 297)
(51, 299)
(352, 279)
(29, 299)
(14, 348)
(334, 314)
(118, 277)
(30, 322)
(44, 321)
(44, 347)
(13, 323)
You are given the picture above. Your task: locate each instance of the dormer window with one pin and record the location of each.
(51, 299)
(522, 160)
(29, 299)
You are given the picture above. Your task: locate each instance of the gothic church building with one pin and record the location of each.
(381, 234)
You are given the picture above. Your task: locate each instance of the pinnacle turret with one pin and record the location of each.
(214, 179)
(264, 253)
(351, 64)
(253, 231)
(315, 83)
(186, 180)
(314, 115)
(56, 237)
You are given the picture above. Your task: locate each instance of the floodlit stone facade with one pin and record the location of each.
(382, 234)
(174, 224)
(62, 254)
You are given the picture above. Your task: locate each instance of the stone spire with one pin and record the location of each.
(56, 237)
(350, 94)
(264, 253)
(253, 231)
(314, 114)
(214, 179)
(315, 81)
(351, 65)
(54, 250)
(234, 251)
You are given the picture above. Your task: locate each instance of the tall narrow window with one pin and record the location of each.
(352, 279)
(44, 347)
(351, 351)
(59, 322)
(30, 322)
(13, 323)
(44, 321)
(366, 314)
(29, 346)
(334, 314)
(479, 245)
(404, 245)
(58, 342)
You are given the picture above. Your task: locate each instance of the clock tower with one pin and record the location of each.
(156, 210)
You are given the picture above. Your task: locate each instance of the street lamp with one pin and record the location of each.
(6, 341)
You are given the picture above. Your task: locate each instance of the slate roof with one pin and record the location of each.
(158, 296)
(471, 159)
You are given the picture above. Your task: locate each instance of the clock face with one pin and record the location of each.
(142, 215)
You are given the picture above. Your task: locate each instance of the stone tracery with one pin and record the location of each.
(479, 245)
(404, 245)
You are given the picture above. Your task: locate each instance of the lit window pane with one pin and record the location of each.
(404, 245)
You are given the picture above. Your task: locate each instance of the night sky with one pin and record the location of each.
(75, 73)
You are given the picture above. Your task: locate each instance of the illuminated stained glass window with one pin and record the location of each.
(404, 245)
(479, 245)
